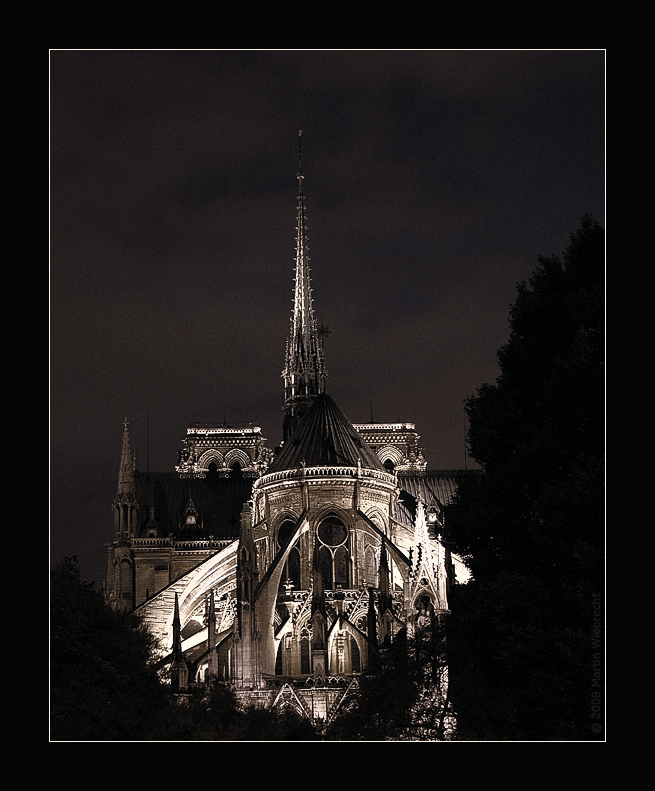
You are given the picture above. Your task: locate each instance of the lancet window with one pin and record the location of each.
(334, 553)
(291, 571)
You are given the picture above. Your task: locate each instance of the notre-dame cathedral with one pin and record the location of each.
(284, 571)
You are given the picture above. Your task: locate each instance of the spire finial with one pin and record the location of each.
(125, 503)
(300, 173)
(127, 465)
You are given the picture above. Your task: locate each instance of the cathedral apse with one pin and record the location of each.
(284, 572)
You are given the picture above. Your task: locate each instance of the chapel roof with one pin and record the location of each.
(325, 437)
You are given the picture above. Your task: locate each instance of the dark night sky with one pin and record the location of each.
(434, 180)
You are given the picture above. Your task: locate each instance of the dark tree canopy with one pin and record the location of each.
(530, 523)
(403, 698)
(103, 686)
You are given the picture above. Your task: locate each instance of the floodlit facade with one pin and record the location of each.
(285, 572)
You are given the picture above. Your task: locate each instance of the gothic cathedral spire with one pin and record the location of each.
(304, 370)
(125, 502)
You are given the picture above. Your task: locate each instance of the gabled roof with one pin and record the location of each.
(325, 438)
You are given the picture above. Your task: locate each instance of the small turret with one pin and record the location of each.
(125, 503)
(246, 636)
(179, 669)
(386, 600)
(372, 630)
(212, 670)
(427, 584)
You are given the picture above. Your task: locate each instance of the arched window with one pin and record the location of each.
(125, 579)
(355, 656)
(333, 553)
(292, 566)
(370, 567)
(236, 470)
(305, 659)
(284, 532)
(345, 656)
(341, 567)
(325, 565)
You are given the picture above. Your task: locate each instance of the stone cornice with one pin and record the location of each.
(307, 473)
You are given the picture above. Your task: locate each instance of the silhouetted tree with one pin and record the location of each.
(403, 699)
(210, 713)
(103, 685)
(530, 524)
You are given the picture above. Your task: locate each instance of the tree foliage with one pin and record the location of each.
(209, 712)
(103, 685)
(402, 699)
(530, 523)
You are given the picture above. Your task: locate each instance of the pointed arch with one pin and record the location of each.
(334, 537)
(378, 517)
(390, 456)
(125, 574)
(371, 566)
(287, 698)
(347, 649)
(284, 658)
(209, 456)
(283, 530)
(421, 617)
(237, 456)
(284, 524)
(333, 510)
